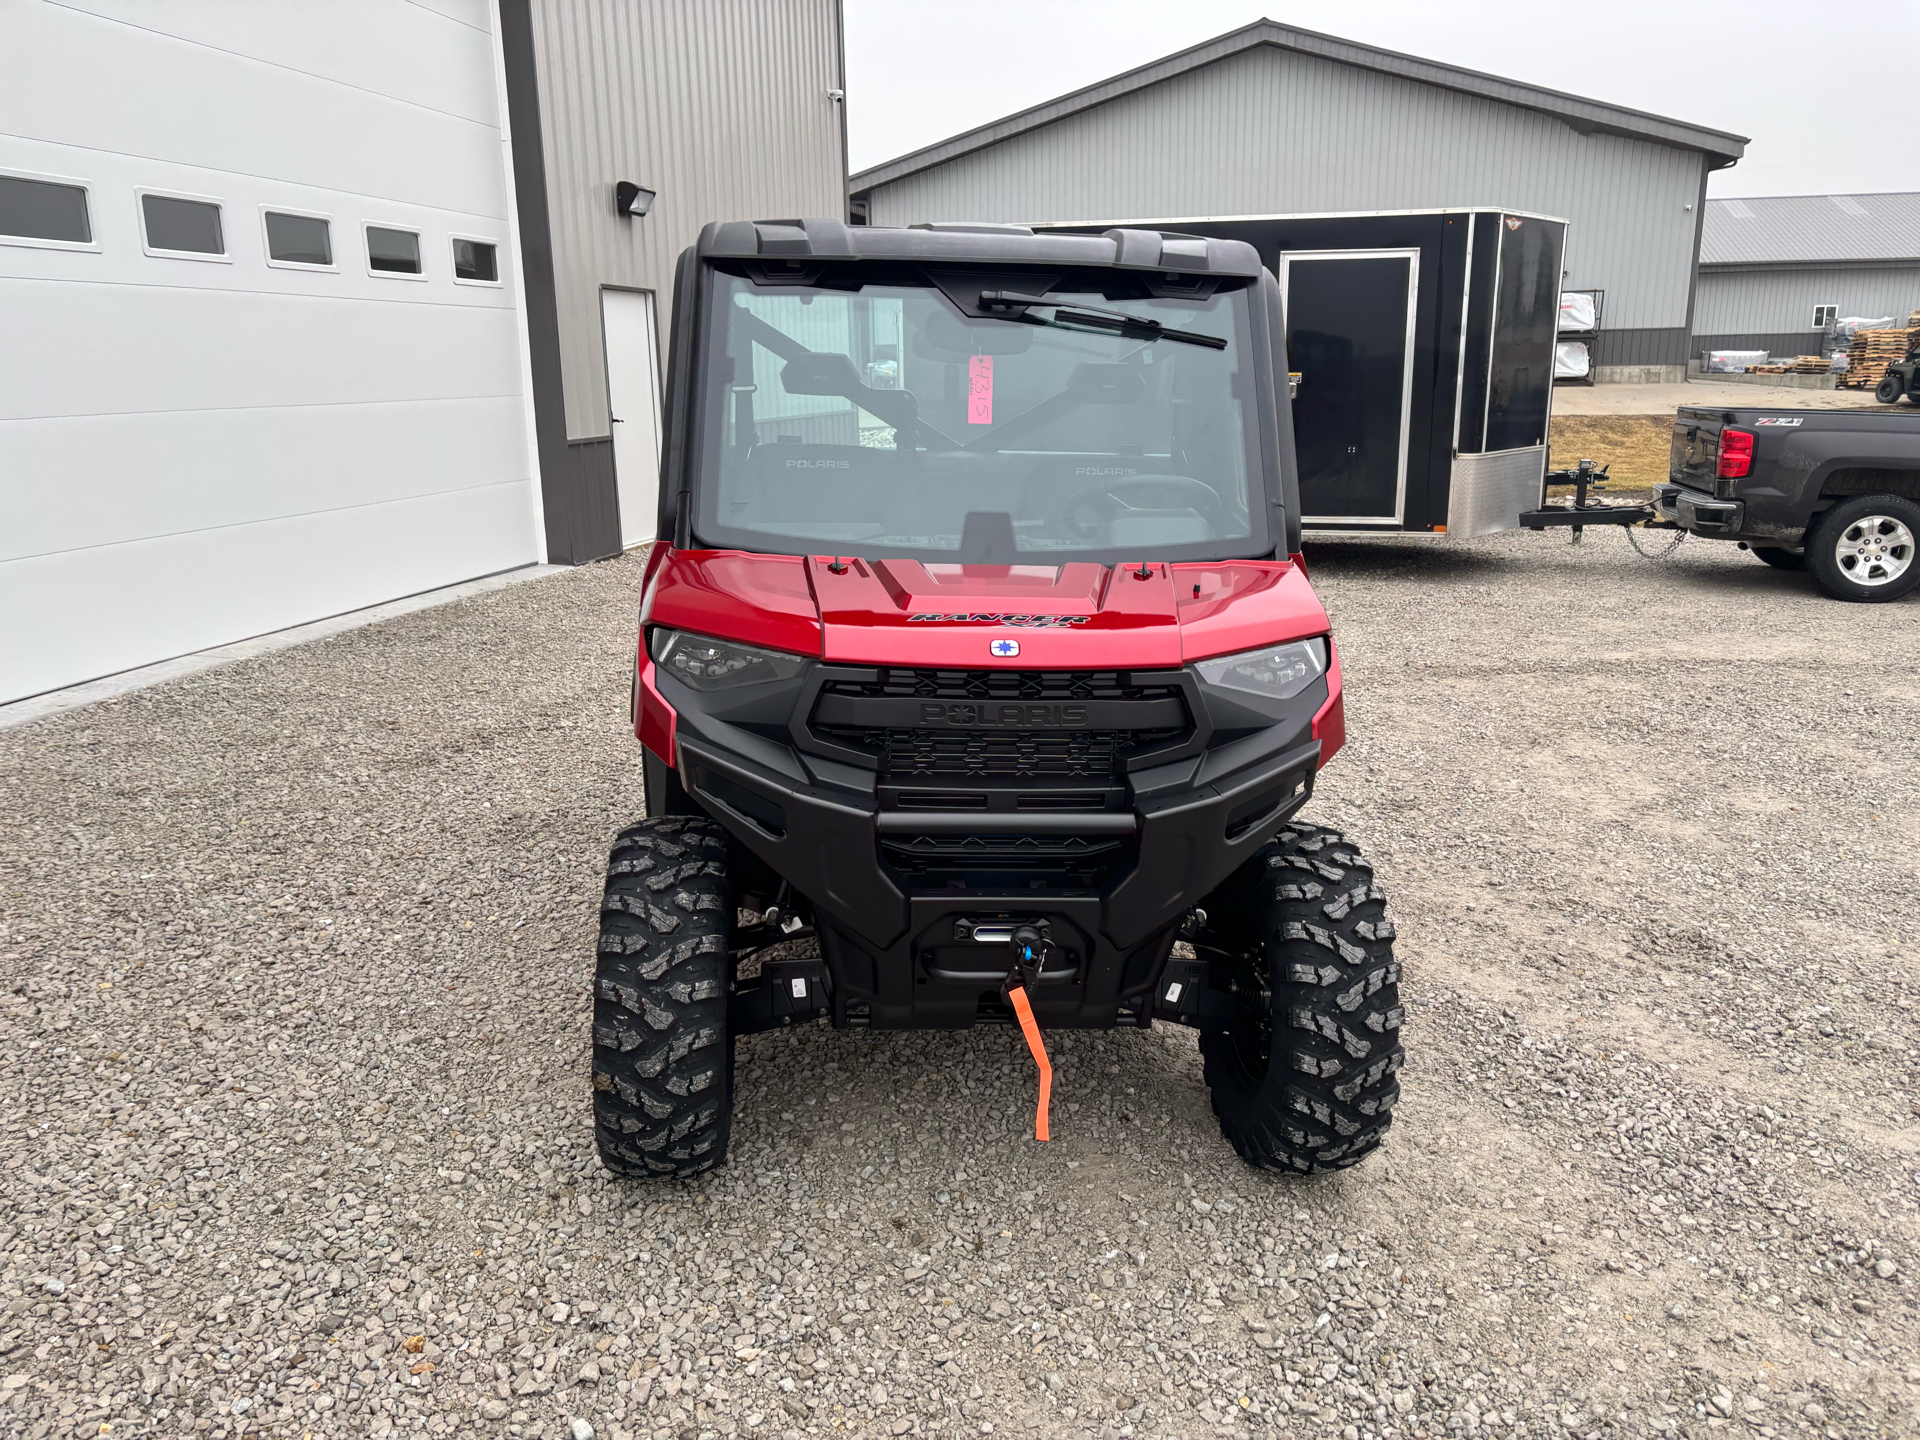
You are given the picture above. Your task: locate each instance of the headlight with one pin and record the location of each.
(708, 664)
(1278, 672)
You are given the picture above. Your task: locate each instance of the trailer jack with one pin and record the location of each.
(1581, 513)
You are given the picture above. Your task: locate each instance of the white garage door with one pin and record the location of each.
(262, 361)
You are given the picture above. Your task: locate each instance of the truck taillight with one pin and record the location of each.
(1735, 454)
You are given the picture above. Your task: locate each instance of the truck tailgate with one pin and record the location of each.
(1691, 451)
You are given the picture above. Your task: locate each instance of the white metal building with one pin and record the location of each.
(274, 348)
(1777, 270)
(1273, 120)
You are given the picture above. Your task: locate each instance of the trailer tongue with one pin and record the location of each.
(1582, 512)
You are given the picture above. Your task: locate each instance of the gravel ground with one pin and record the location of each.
(294, 1020)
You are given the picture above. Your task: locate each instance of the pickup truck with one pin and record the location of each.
(1828, 491)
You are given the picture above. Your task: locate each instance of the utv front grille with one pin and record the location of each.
(1049, 726)
(998, 744)
(1057, 685)
(917, 754)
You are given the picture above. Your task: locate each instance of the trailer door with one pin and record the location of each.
(1350, 335)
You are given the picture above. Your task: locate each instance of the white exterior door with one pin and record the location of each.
(633, 399)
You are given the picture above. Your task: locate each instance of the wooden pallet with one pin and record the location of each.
(1871, 354)
(1800, 365)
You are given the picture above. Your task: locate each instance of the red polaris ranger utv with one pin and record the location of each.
(977, 649)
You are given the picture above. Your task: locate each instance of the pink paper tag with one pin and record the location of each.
(980, 390)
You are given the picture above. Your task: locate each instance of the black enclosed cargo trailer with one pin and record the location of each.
(1424, 345)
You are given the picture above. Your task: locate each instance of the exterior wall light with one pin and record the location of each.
(632, 200)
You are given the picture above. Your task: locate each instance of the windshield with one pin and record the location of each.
(886, 421)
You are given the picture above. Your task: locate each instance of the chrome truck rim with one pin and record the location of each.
(1875, 550)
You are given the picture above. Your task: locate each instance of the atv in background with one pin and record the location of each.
(978, 650)
(1899, 383)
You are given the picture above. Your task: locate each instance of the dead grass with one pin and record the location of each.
(1634, 447)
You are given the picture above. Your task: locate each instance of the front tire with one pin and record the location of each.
(1890, 389)
(1303, 1079)
(663, 1058)
(1863, 549)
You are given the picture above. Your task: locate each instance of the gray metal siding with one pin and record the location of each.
(1667, 345)
(1776, 342)
(595, 506)
(1771, 301)
(1276, 132)
(720, 108)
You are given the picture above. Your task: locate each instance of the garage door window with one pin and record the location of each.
(475, 262)
(44, 212)
(393, 252)
(179, 226)
(302, 240)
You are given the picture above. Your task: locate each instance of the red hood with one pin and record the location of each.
(1078, 616)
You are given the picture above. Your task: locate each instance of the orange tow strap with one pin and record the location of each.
(1031, 1029)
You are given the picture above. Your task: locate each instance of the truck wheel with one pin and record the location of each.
(663, 1058)
(1781, 558)
(1863, 549)
(1304, 1077)
(1890, 389)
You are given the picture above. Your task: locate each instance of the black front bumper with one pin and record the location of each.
(1170, 826)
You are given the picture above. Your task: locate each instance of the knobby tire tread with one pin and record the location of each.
(1335, 1055)
(663, 1061)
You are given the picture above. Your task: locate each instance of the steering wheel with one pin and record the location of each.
(1109, 497)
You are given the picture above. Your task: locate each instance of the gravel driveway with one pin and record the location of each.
(293, 1039)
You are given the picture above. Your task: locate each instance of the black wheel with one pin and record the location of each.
(1863, 549)
(663, 1058)
(1890, 389)
(1781, 558)
(1304, 1078)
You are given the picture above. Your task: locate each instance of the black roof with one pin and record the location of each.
(796, 240)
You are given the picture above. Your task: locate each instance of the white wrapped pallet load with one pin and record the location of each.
(1734, 362)
(1846, 327)
(1577, 310)
(1570, 359)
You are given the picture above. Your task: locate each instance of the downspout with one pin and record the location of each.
(1694, 270)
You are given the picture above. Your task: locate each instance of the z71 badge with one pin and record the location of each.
(1779, 420)
(1026, 622)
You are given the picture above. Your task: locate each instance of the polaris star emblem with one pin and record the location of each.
(1004, 647)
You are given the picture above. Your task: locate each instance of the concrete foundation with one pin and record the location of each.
(1787, 382)
(1640, 374)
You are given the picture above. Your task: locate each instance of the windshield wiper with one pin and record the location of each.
(1089, 317)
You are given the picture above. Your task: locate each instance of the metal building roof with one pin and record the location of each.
(1812, 229)
(1589, 117)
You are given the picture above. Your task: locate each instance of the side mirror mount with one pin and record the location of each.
(821, 373)
(830, 373)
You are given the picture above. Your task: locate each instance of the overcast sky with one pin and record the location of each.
(1825, 89)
